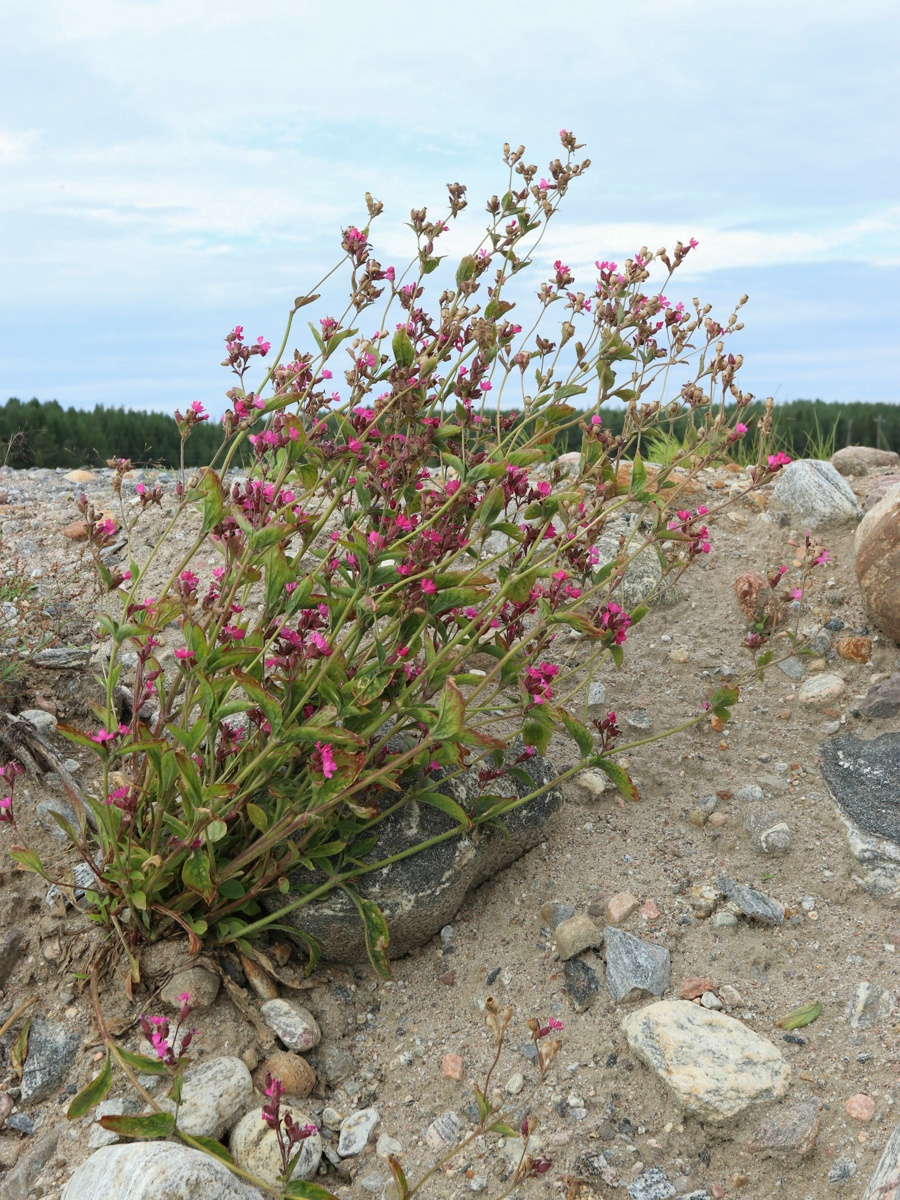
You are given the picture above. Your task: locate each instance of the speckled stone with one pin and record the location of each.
(714, 1065)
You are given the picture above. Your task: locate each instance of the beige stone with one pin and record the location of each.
(877, 547)
(859, 460)
(80, 476)
(452, 1067)
(821, 689)
(575, 935)
(620, 907)
(296, 1075)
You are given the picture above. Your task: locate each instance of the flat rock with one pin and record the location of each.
(213, 1095)
(582, 984)
(201, 985)
(862, 778)
(868, 1006)
(292, 1023)
(821, 689)
(356, 1130)
(885, 1182)
(859, 460)
(254, 1146)
(877, 546)
(634, 965)
(422, 893)
(51, 1052)
(63, 658)
(576, 934)
(443, 1132)
(714, 1065)
(790, 1133)
(882, 699)
(753, 904)
(155, 1171)
(816, 493)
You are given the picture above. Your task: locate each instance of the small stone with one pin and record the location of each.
(858, 460)
(882, 699)
(515, 1083)
(582, 984)
(869, 1006)
(296, 1075)
(718, 819)
(386, 1146)
(97, 1135)
(201, 985)
(710, 1000)
(651, 1185)
(790, 1132)
(793, 668)
(576, 934)
(815, 492)
(443, 1132)
(843, 1169)
(553, 913)
(724, 920)
(634, 965)
(649, 911)
(693, 989)
(596, 693)
(331, 1118)
(76, 531)
(590, 785)
(715, 1066)
(155, 1171)
(860, 1107)
(254, 1146)
(261, 982)
(821, 689)
(855, 649)
(292, 1023)
(620, 907)
(679, 655)
(752, 903)
(51, 1052)
(355, 1131)
(38, 719)
(80, 476)
(213, 1094)
(477, 1183)
(639, 718)
(336, 1062)
(452, 1067)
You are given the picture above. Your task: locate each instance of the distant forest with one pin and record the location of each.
(44, 434)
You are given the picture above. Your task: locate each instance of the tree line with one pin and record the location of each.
(44, 434)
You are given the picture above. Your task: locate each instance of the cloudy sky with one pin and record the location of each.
(171, 167)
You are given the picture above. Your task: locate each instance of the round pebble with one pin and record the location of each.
(860, 1107)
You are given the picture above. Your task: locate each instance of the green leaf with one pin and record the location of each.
(377, 937)
(215, 831)
(722, 699)
(141, 1062)
(96, 1090)
(582, 736)
(445, 804)
(195, 875)
(518, 587)
(258, 817)
(258, 694)
(399, 1177)
(804, 1015)
(301, 1189)
(270, 535)
(503, 1130)
(451, 713)
(208, 495)
(466, 270)
(620, 777)
(567, 390)
(404, 351)
(208, 1145)
(638, 474)
(154, 1125)
(538, 727)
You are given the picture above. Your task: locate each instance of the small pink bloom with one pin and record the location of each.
(429, 587)
(183, 654)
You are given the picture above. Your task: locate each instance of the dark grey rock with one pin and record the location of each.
(420, 894)
(882, 699)
(752, 903)
(554, 912)
(862, 776)
(56, 804)
(582, 984)
(843, 1169)
(793, 667)
(51, 1051)
(22, 1123)
(634, 965)
(63, 658)
(651, 1185)
(596, 692)
(11, 942)
(336, 1062)
(18, 1183)
(790, 1133)
(639, 718)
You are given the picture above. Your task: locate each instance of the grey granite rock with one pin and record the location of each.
(643, 578)
(634, 965)
(816, 493)
(51, 1051)
(868, 1006)
(752, 903)
(862, 778)
(63, 658)
(356, 1130)
(885, 1181)
(790, 1132)
(155, 1171)
(254, 1146)
(214, 1094)
(420, 894)
(17, 1184)
(292, 1023)
(197, 982)
(883, 698)
(651, 1185)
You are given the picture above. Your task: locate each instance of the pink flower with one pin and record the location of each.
(6, 814)
(101, 736)
(325, 762)
(779, 460)
(264, 347)
(183, 654)
(740, 429)
(596, 420)
(429, 587)
(199, 412)
(824, 557)
(797, 593)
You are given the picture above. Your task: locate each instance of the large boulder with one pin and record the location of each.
(857, 460)
(816, 494)
(421, 893)
(877, 547)
(155, 1171)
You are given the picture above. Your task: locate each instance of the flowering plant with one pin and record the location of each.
(389, 530)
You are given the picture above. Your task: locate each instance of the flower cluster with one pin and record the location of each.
(8, 776)
(169, 1049)
(290, 1134)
